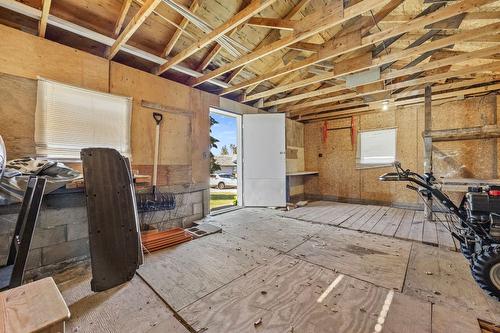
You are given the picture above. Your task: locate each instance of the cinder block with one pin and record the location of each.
(54, 217)
(7, 223)
(197, 208)
(34, 259)
(48, 236)
(5, 244)
(77, 231)
(64, 251)
(196, 196)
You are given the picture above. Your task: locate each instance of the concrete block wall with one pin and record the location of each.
(61, 234)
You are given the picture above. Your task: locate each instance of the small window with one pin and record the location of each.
(376, 148)
(68, 119)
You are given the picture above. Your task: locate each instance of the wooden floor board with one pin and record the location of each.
(271, 231)
(357, 224)
(429, 233)
(282, 296)
(131, 307)
(404, 227)
(443, 277)
(364, 209)
(392, 222)
(393, 225)
(417, 227)
(377, 259)
(183, 274)
(372, 221)
(408, 314)
(446, 319)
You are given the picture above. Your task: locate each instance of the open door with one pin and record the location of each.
(264, 160)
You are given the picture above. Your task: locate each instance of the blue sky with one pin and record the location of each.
(224, 131)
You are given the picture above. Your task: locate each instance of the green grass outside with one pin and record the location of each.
(222, 199)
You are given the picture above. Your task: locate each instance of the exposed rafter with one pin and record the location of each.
(42, 24)
(350, 42)
(134, 24)
(178, 32)
(123, 14)
(253, 8)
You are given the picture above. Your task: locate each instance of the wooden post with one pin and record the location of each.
(428, 146)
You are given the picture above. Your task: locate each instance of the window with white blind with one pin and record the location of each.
(376, 148)
(68, 119)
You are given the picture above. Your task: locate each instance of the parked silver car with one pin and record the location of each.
(223, 180)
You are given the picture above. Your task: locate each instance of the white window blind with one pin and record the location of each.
(377, 147)
(68, 119)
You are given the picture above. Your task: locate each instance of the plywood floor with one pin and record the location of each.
(382, 220)
(269, 273)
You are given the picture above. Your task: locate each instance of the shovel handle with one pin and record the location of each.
(158, 117)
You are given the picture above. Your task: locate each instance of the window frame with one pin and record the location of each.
(361, 166)
(39, 113)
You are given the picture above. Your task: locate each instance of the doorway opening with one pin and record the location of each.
(225, 157)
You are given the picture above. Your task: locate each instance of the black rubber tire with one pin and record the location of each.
(466, 251)
(481, 267)
(221, 186)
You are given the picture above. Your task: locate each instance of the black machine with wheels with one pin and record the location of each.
(475, 223)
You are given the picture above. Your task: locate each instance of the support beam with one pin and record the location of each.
(42, 24)
(428, 147)
(320, 20)
(385, 59)
(415, 82)
(217, 47)
(332, 48)
(376, 106)
(272, 23)
(275, 34)
(400, 73)
(178, 32)
(234, 74)
(253, 8)
(437, 88)
(123, 13)
(134, 24)
(456, 134)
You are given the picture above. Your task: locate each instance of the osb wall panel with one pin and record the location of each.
(184, 139)
(29, 56)
(294, 132)
(17, 111)
(339, 177)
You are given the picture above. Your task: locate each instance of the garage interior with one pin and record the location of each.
(105, 220)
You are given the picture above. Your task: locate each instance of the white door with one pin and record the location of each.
(264, 160)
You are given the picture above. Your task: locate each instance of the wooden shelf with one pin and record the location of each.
(302, 173)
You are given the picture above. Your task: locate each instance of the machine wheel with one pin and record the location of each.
(486, 271)
(466, 251)
(221, 186)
